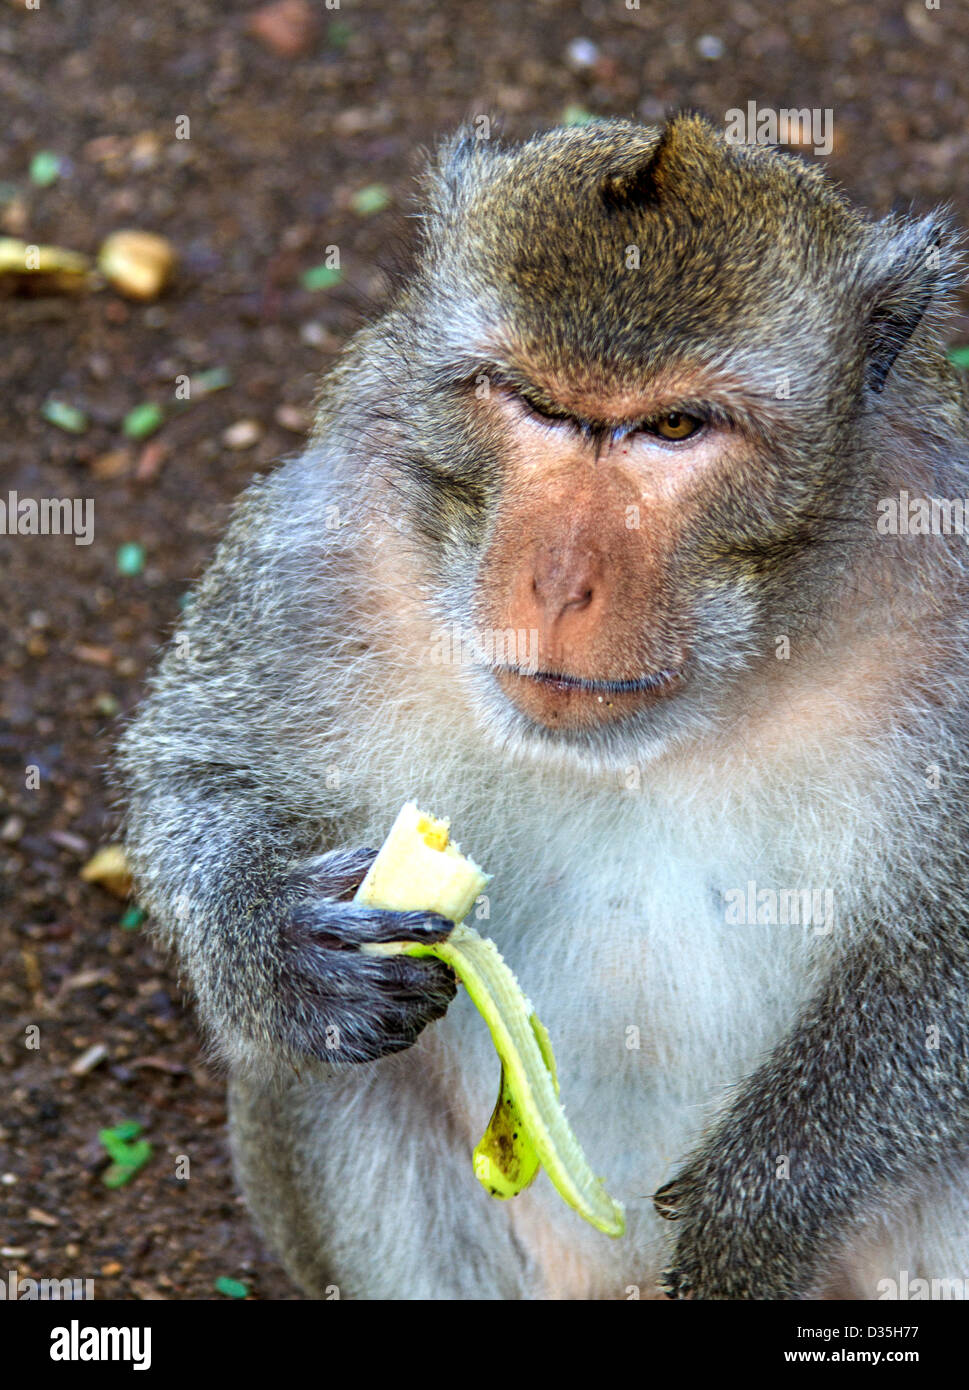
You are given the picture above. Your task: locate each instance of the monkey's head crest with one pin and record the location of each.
(678, 239)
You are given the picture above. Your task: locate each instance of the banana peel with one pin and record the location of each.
(505, 1158)
(418, 868)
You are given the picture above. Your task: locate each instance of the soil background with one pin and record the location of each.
(284, 134)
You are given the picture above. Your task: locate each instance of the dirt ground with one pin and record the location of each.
(280, 146)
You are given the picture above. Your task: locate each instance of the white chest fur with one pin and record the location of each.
(655, 1001)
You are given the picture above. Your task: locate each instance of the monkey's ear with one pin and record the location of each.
(453, 160)
(678, 166)
(914, 268)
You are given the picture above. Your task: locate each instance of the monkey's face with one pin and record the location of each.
(616, 585)
(643, 364)
(625, 556)
(579, 563)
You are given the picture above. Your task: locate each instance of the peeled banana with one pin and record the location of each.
(419, 869)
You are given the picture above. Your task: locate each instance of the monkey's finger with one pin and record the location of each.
(368, 1022)
(376, 1004)
(346, 926)
(667, 1199)
(402, 997)
(356, 981)
(378, 924)
(395, 1020)
(410, 979)
(675, 1284)
(320, 953)
(407, 926)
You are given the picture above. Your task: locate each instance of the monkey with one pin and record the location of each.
(591, 549)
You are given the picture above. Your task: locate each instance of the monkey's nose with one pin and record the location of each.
(563, 584)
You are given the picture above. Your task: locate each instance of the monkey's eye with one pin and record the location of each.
(551, 417)
(675, 424)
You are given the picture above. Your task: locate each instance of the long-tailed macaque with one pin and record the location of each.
(614, 543)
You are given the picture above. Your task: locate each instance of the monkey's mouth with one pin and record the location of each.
(560, 700)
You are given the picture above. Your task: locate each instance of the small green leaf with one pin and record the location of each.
(117, 1174)
(130, 558)
(117, 1140)
(65, 417)
(232, 1288)
(133, 918)
(374, 198)
(214, 379)
(143, 420)
(128, 1152)
(960, 356)
(576, 115)
(123, 1170)
(45, 168)
(321, 277)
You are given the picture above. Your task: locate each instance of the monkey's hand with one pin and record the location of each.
(336, 1002)
(737, 1239)
(851, 1106)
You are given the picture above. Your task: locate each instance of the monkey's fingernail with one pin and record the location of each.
(675, 1285)
(665, 1200)
(431, 925)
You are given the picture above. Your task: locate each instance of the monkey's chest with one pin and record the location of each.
(656, 1003)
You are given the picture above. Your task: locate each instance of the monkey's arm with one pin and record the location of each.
(224, 826)
(856, 1100)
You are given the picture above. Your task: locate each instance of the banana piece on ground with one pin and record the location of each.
(419, 869)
